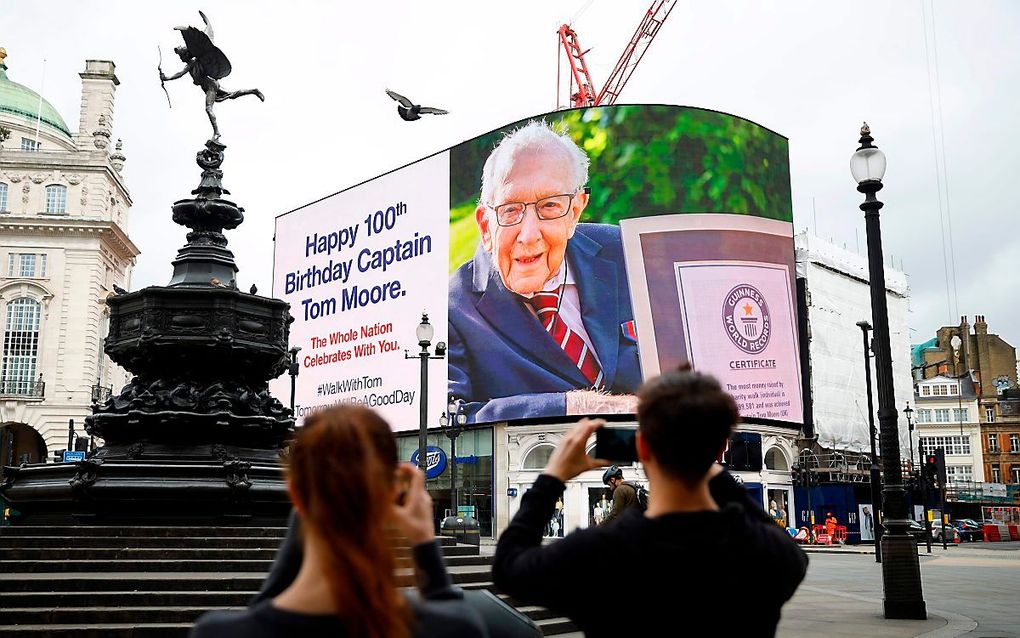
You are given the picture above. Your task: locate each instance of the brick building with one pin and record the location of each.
(991, 364)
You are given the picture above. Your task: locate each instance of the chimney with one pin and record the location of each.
(965, 362)
(95, 123)
(980, 327)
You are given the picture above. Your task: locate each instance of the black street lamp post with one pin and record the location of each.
(425, 331)
(876, 473)
(293, 369)
(453, 426)
(901, 572)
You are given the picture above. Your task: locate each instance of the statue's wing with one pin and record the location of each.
(399, 98)
(214, 63)
(208, 27)
(429, 109)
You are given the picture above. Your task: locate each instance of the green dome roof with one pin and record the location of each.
(22, 101)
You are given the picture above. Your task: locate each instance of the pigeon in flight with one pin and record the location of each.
(410, 111)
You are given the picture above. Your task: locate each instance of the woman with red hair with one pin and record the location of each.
(352, 499)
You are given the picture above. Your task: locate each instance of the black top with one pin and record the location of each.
(433, 618)
(438, 610)
(663, 575)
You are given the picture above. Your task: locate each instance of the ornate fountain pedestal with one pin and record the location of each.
(195, 437)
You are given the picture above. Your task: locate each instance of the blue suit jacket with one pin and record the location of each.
(502, 362)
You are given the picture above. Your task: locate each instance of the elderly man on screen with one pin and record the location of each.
(540, 318)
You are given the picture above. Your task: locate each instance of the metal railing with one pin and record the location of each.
(982, 491)
(21, 387)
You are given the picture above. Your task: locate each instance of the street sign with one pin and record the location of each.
(71, 456)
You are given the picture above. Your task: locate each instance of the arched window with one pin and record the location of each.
(775, 460)
(538, 458)
(3, 197)
(21, 347)
(56, 198)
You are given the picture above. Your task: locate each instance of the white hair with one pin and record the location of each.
(536, 134)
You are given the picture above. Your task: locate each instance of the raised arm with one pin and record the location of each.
(180, 74)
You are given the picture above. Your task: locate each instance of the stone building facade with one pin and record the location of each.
(63, 247)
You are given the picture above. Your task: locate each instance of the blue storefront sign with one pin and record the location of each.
(436, 461)
(71, 456)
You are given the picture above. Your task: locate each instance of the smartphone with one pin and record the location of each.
(617, 444)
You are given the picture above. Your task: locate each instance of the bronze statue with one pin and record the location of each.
(206, 64)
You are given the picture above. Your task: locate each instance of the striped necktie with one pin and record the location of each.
(546, 305)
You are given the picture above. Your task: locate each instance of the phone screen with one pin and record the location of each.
(616, 444)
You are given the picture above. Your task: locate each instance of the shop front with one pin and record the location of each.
(474, 473)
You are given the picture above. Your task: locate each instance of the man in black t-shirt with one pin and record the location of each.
(700, 534)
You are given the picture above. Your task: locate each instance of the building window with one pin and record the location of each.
(954, 445)
(993, 442)
(959, 473)
(26, 265)
(1014, 443)
(21, 347)
(942, 415)
(961, 415)
(924, 416)
(1014, 473)
(3, 197)
(940, 390)
(29, 144)
(538, 458)
(996, 474)
(56, 198)
(990, 415)
(925, 390)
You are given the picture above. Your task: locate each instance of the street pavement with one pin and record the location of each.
(970, 590)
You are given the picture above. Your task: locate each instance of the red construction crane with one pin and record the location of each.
(585, 95)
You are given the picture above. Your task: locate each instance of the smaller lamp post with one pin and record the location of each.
(425, 331)
(909, 413)
(453, 426)
(956, 342)
(875, 470)
(293, 369)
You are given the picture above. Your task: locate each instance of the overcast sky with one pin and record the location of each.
(808, 70)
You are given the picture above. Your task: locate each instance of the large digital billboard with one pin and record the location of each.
(563, 259)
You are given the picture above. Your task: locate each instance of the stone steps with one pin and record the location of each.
(66, 599)
(151, 581)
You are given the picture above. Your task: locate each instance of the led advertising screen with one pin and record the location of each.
(561, 260)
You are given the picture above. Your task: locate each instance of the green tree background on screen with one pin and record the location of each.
(646, 160)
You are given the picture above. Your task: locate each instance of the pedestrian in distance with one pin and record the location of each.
(624, 493)
(830, 524)
(680, 557)
(354, 501)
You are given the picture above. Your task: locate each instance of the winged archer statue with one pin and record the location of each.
(206, 64)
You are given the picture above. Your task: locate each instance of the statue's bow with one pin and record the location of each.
(162, 84)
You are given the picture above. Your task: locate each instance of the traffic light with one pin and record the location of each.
(935, 466)
(803, 477)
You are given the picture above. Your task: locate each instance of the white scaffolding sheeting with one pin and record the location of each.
(838, 296)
